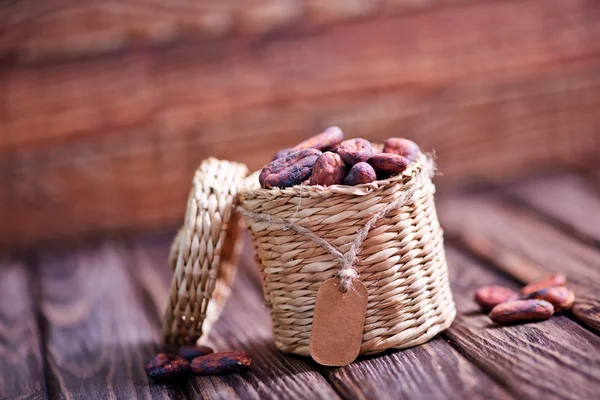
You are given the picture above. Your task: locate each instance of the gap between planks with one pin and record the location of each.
(519, 241)
(568, 201)
(21, 342)
(432, 370)
(146, 276)
(556, 358)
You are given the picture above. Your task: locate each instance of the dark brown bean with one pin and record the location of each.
(164, 366)
(221, 363)
(562, 298)
(489, 297)
(402, 147)
(290, 170)
(329, 169)
(354, 151)
(327, 140)
(388, 164)
(552, 280)
(516, 311)
(283, 153)
(360, 173)
(191, 352)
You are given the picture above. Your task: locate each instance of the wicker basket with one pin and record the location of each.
(401, 259)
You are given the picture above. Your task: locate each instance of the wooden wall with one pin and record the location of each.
(106, 109)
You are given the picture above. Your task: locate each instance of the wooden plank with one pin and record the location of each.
(436, 370)
(245, 325)
(21, 361)
(209, 82)
(54, 29)
(552, 359)
(431, 371)
(143, 176)
(570, 200)
(102, 324)
(130, 129)
(524, 246)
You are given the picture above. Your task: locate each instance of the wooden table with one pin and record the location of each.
(81, 323)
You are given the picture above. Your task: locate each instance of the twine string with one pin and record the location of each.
(348, 271)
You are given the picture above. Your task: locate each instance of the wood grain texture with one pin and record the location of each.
(430, 371)
(521, 244)
(56, 29)
(433, 370)
(555, 359)
(102, 320)
(110, 143)
(245, 325)
(115, 179)
(21, 359)
(181, 86)
(570, 200)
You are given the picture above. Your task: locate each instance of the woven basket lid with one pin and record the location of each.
(204, 253)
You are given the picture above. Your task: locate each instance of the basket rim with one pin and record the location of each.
(252, 190)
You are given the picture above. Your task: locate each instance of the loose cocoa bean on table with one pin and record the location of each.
(327, 140)
(360, 173)
(402, 147)
(562, 298)
(221, 363)
(329, 169)
(388, 164)
(290, 170)
(191, 352)
(552, 280)
(165, 366)
(354, 151)
(516, 311)
(489, 297)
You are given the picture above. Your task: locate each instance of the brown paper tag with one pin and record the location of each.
(338, 323)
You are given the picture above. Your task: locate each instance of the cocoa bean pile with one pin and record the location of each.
(199, 360)
(537, 301)
(327, 159)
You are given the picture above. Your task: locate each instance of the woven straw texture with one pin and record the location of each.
(401, 261)
(204, 253)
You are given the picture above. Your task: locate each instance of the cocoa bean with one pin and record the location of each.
(552, 280)
(354, 151)
(221, 363)
(489, 297)
(516, 311)
(402, 147)
(360, 173)
(388, 164)
(330, 138)
(191, 352)
(283, 153)
(164, 366)
(329, 169)
(562, 298)
(289, 170)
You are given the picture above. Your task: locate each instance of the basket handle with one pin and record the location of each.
(204, 252)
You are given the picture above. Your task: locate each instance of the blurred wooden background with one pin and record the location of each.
(106, 108)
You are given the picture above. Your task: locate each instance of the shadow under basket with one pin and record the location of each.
(400, 260)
